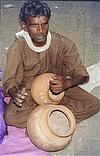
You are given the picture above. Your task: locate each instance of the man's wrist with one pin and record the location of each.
(68, 83)
(12, 91)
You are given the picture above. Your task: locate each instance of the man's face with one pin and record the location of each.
(37, 29)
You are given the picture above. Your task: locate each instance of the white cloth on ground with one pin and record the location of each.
(94, 72)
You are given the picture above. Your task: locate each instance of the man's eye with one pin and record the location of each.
(45, 25)
(33, 26)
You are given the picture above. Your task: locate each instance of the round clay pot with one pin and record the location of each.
(40, 90)
(50, 127)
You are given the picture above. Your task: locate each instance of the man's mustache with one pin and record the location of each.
(41, 35)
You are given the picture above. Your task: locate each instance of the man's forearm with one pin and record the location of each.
(77, 81)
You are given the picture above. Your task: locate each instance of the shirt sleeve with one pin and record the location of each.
(13, 74)
(72, 62)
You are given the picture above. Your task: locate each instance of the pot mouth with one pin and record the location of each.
(55, 97)
(58, 123)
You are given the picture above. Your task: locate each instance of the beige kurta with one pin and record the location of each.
(24, 64)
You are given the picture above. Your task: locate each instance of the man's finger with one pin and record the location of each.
(18, 100)
(24, 91)
(17, 103)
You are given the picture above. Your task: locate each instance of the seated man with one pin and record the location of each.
(37, 50)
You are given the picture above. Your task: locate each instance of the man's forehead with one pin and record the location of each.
(37, 19)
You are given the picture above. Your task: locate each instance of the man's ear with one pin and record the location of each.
(23, 26)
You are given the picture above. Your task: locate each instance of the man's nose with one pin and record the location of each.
(40, 29)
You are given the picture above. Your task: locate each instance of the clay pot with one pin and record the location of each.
(40, 90)
(50, 127)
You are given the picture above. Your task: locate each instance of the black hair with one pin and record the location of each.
(34, 8)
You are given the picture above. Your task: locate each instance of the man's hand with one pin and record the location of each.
(20, 97)
(58, 84)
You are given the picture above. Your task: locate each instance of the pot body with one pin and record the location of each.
(40, 90)
(50, 127)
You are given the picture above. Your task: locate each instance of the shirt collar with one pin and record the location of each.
(30, 43)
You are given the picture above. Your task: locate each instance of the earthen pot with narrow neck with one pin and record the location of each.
(40, 90)
(51, 127)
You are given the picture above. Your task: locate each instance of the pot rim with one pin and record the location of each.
(68, 114)
(55, 98)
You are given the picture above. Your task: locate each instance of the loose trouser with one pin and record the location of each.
(82, 104)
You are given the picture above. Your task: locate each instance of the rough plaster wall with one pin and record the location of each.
(78, 20)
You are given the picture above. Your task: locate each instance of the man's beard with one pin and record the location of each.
(40, 39)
